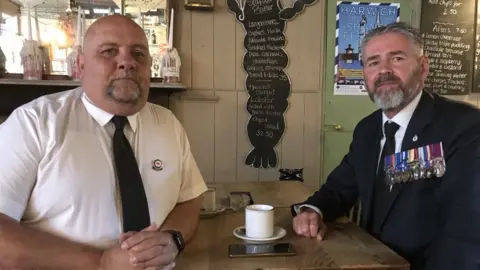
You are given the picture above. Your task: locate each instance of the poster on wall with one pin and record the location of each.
(354, 20)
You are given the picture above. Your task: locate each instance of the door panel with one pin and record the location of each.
(335, 147)
(342, 113)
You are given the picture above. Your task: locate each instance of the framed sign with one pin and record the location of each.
(199, 4)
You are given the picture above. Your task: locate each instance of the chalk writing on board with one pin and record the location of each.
(449, 7)
(267, 83)
(446, 51)
(448, 43)
(476, 82)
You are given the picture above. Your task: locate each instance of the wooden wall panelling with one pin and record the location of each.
(293, 139)
(224, 47)
(304, 38)
(183, 41)
(202, 50)
(312, 141)
(226, 133)
(198, 121)
(239, 54)
(313, 119)
(176, 106)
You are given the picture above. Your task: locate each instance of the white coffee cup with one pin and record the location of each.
(259, 221)
(209, 200)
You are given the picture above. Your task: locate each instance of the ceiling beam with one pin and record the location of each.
(9, 8)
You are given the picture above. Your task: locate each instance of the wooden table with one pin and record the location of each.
(276, 193)
(346, 245)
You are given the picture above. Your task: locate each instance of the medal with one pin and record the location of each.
(438, 159)
(436, 170)
(414, 164)
(422, 172)
(406, 172)
(389, 179)
(429, 173)
(398, 168)
(428, 163)
(396, 178)
(388, 169)
(421, 163)
(406, 176)
(416, 173)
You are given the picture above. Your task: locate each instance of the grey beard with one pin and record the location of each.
(135, 95)
(390, 100)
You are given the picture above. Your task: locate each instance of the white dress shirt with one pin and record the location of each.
(402, 119)
(57, 166)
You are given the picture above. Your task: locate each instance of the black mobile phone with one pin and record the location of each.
(254, 250)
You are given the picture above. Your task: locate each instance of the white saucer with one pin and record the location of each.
(277, 234)
(218, 209)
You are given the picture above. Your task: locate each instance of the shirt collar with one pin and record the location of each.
(403, 117)
(102, 117)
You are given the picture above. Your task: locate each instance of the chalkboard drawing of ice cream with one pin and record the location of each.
(267, 83)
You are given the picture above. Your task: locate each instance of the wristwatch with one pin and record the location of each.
(177, 239)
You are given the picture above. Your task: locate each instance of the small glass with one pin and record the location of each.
(239, 200)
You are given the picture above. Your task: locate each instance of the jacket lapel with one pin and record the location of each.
(371, 163)
(421, 117)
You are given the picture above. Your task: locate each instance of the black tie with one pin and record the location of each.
(134, 200)
(382, 190)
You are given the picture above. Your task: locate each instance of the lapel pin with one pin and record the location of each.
(157, 165)
(415, 138)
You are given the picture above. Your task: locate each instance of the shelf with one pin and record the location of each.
(172, 87)
(15, 92)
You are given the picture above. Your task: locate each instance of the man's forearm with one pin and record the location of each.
(25, 248)
(184, 218)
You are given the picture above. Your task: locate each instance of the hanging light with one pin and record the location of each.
(69, 9)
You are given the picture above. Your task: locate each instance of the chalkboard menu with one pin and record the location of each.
(476, 81)
(448, 29)
(267, 83)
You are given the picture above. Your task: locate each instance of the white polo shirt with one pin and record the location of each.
(57, 167)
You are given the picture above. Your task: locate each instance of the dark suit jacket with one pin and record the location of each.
(433, 223)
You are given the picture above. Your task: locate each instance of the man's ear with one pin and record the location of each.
(425, 67)
(80, 63)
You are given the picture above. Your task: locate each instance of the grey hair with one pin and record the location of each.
(413, 34)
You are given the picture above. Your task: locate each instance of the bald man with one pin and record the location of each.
(96, 177)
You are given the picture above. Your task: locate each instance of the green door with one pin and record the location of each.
(343, 112)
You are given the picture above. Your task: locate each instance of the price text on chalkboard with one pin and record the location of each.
(448, 29)
(267, 83)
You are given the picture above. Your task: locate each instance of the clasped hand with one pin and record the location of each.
(148, 249)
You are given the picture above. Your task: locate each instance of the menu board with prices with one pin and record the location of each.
(448, 29)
